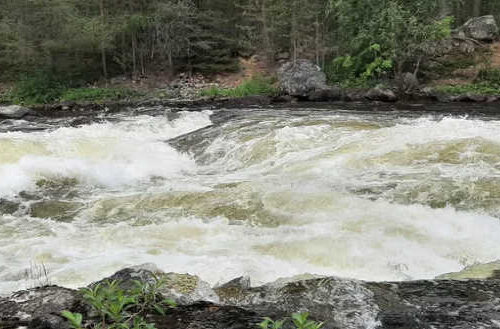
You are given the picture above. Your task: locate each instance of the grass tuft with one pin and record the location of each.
(255, 86)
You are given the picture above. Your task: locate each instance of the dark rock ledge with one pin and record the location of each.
(340, 303)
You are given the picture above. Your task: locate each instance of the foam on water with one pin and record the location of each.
(327, 194)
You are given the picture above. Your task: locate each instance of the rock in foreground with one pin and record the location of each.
(339, 303)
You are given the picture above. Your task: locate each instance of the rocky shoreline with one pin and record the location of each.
(339, 303)
(376, 98)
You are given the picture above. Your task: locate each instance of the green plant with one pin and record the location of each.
(256, 86)
(117, 308)
(300, 321)
(37, 88)
(75, 319)
(491, 76)
(96, 94)
(269, 323)
(481, 88)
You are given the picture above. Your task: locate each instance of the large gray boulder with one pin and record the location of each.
(300, 78)
(482, 28)
(13, 112)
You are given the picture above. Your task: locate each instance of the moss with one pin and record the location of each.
(479, 88)
(183, 283)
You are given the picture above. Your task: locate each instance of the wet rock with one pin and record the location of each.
(39, 308)
(326, 95)
(346, 304)
(482, 28)
(438, 304)
(300, 78)
(469, 98)
(204, 315)
(14, 112)
(479, 271)
(183, 288)
(381, 94)
(8, 207)
(61, 211)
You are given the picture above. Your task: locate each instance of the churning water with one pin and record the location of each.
(264, 193)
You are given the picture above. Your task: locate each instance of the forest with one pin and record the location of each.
(52, 43)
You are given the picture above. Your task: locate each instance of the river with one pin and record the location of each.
(268, 193)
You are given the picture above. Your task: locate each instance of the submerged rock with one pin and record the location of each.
(13, 112)
(301, 78)
(8, 207)
(479, 271)
(62, 211)
(183, 288)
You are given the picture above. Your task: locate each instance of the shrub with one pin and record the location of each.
(117, 308)
(38, 88)
(300, 321)
(96, 94)
(255, 86)
(482, 88)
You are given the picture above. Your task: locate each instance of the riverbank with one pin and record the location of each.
(337, 302)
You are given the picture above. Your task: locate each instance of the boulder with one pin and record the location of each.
(13, 112)
(482, 28)
(381, 94)
(301, 78)
(40, 308)
(182, 288)
(326, 95)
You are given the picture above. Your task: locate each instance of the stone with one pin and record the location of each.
(40, 307)
(326, 95)
(482, 28)
(479, 271)
(339, 303)
(301, 78)
(8, 207)
(182, 288)
(14, 112)
(62, 211)
(408, 82)
(381, 94)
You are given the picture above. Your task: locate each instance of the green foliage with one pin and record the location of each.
(254, 86)
(75, 319)
(481, 88)
(300, 321)
(96, 94)
(491, 76)
(117, 308)
(38, 88)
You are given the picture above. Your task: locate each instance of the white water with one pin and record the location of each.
(364, 196)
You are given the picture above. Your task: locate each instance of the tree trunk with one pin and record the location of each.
(103, 48)
(444, 8)
(476, 9)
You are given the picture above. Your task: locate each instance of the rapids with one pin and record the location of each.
(259, 192)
